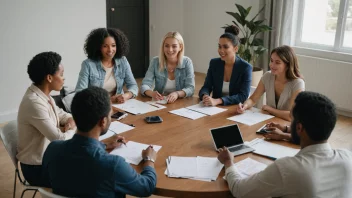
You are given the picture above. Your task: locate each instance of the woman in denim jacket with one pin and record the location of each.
(171, 73)
(229, 77)
(107, 66)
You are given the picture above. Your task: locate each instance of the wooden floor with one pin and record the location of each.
(340, 138)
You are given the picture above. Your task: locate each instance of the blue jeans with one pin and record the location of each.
(34, 175)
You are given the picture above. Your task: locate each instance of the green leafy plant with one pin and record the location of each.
(250, 47)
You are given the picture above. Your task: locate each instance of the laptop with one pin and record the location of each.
(230, 137)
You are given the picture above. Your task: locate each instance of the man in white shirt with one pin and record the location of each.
(316, 171)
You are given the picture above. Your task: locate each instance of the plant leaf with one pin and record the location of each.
(237, 17)
(249, 9)
(242, 11)
(258, 22)
(247, 55)
(257, 42)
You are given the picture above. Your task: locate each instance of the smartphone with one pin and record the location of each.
(153, 119)
(262, 130)
(119, 115)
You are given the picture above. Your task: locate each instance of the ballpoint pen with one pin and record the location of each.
(119, 139)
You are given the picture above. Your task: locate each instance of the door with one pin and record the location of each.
(132, 17)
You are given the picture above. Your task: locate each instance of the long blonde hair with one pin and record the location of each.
(162, 57)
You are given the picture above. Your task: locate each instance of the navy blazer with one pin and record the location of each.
(240, 82)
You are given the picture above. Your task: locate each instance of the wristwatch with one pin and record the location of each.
(149, 159)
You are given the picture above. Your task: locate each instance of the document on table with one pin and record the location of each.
(132, 152)
(187, 113)
(116, 127)
(251, 116)
(206, 110)
(268, 149)
(248, 167)
(136, 107)
(197, 168)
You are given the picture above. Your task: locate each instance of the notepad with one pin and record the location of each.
(136, 107)
(268, 149)
(132, 152)
(205, 109)
(248, 167)
(197, 168)
(250, 117)
(116, 128)
(187, 113)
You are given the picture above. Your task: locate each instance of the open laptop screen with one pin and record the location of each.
(226, 136)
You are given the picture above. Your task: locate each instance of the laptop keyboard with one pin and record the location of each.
(237, 148)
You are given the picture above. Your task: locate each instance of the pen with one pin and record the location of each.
(154, 105)
(122, 142)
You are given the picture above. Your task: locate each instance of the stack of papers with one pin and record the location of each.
(187, 113)
(115, 128)
(248, 167)
(136, 107)
(271, 150)
(251, 116)
(197, 111)
(198, 168)
(206, 110)
(132, 151)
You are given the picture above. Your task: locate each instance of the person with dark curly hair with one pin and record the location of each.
(107, 66)
(317, 170)
(281, 84)
(39, 120)
(229, 77)
(171, 73)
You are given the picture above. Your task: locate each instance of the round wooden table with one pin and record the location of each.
(181, 136)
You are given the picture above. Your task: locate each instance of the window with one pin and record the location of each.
(325, 24)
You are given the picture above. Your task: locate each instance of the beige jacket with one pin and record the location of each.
(38, 125)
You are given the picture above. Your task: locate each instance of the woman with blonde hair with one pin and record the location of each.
(282, 84)
(171, 73)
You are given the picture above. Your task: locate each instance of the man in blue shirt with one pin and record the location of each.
(81, 167)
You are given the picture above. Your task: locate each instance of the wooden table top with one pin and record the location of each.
(184, 137)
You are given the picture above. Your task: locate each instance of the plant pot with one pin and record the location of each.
(257, 74)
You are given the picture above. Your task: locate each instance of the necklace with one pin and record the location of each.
(170, 70)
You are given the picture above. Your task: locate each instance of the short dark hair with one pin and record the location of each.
(89, 106)
(43, 64)
(231, 33)
(316, 113)
(95, 40)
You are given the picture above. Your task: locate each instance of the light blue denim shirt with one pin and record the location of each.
(184, 77)
(93, 74)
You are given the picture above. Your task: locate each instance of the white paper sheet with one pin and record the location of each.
(196, 168)
(136, 107)
(248, 167)
(187, 113)
(116, 128)
(250, 117)
(132, 152)
(272, 150)
(206, 110)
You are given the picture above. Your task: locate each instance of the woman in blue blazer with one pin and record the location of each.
(229, 77)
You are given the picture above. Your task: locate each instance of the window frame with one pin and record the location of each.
(339, 35)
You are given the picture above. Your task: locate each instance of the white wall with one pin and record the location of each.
(31, 27)
(164, 16)
(203, 20)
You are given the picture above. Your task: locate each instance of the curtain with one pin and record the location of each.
(279, 14)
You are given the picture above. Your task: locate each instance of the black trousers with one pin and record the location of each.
(34, 175)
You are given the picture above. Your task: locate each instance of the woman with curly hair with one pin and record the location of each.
(172, 73)
(107, 66)
(229, 77)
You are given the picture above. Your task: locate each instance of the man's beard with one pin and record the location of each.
(104, 131)
(294, 136)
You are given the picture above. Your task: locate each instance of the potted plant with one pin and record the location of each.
(250, 47)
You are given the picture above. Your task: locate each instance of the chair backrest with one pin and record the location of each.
(47, 194)
(9, 137)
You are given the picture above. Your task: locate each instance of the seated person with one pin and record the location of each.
(107, 66)
(229, 77)
(81, 167)
(171, 73)
(39, 119)
(316, 170)
(281, 84)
